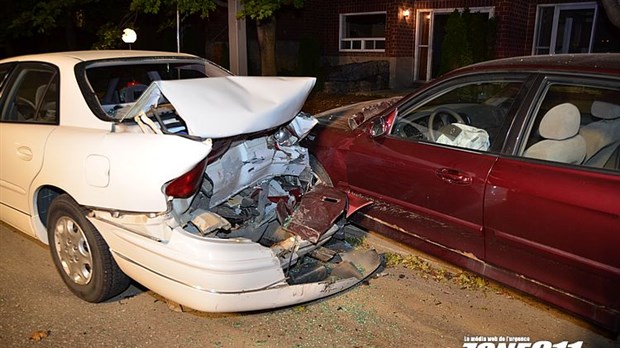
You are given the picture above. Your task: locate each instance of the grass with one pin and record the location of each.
(426, 270)
(357, 242)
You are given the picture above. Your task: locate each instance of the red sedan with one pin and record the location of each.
(508, 168)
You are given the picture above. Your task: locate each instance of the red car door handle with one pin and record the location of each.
(453, 176)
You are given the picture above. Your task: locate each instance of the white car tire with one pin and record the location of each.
(81, 255)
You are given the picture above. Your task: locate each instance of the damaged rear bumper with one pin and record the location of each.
(281, 294)
(237, 274)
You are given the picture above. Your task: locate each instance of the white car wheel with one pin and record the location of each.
(73, 251)
(81, 255)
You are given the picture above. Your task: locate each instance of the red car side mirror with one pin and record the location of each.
(381, 126)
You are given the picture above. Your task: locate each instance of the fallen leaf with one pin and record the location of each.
(175, 307)
(300, 309)
(39, 335)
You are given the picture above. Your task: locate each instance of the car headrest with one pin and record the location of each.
(604, 110)
(42, 89)
(560, 122)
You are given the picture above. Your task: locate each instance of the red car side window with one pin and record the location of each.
(470, 115)
(578, 125)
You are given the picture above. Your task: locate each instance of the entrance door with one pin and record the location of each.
(423, 47)
(430, 32)
(429, 37)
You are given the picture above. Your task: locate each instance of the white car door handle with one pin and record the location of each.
(24, 152)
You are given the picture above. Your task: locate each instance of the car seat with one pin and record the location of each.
(45, 101)
(132, 92)
(602, 136)
(561, 142)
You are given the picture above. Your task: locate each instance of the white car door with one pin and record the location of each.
(29, 115)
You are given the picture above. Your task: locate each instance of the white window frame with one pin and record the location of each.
(363, 40)
(556, 18)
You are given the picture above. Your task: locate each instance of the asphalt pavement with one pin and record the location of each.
(399, 307)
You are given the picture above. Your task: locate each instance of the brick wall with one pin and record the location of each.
(512, 27)
(515, 26)
(320, 19)
(400, 30)
(324, 21)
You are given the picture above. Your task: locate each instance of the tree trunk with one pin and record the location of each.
(266, 31)
(70, 33)
(612, 8)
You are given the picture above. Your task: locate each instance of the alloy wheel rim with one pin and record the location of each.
(73, 251)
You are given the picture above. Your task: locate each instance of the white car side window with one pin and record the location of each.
(33, 97)
(4, 73)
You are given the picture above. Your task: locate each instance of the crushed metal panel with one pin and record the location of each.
(356, 203)
(365, 261)
(247, 103)
(323, 254)
(317, 212)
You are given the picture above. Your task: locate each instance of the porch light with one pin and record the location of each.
(406, 13)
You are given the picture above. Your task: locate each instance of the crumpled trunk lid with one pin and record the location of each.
(220, 107)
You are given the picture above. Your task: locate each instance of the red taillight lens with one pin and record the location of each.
(187, 184)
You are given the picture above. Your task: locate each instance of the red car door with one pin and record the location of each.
(431, 192)
(427, 184)
(559, 223)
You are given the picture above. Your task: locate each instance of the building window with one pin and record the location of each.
(362, 31)
(565, 28)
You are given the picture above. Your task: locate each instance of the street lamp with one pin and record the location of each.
(129, 36)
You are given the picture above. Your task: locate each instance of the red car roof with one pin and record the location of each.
(601, 63)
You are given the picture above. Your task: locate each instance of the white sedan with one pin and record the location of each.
(164, 168)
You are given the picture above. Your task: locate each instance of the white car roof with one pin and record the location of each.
(73, 109)
(83, 56)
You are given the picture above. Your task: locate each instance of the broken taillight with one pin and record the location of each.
(187, 184)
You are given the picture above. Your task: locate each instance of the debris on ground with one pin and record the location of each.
(39, 335)
(357, 242)
(426, 270)
(470, 281)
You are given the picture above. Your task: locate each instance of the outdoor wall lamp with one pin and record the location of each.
(406, 13)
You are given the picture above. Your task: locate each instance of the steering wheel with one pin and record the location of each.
(410, 130)
(444, 115)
